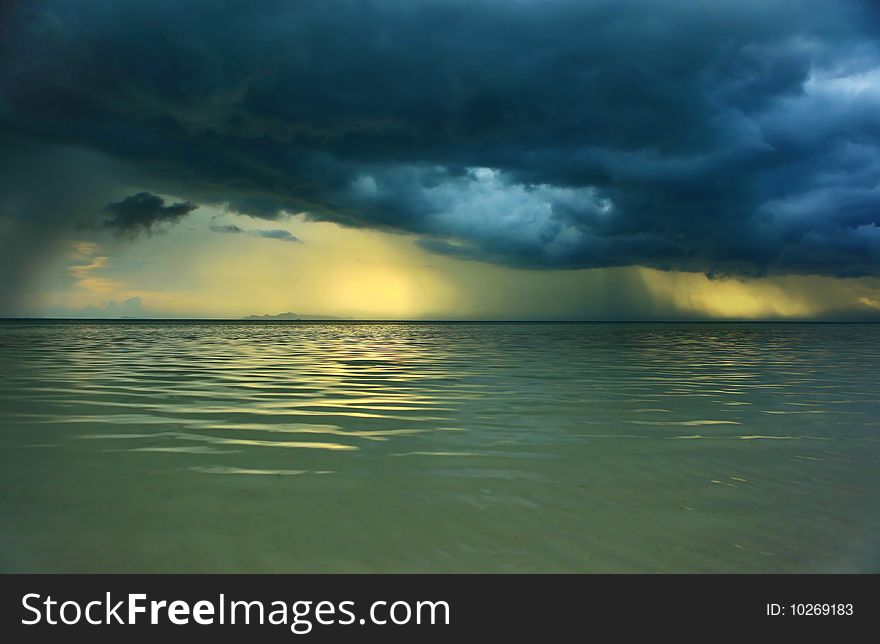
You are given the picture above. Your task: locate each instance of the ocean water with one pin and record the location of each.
(348, 447)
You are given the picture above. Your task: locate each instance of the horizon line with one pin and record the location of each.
(258, 320)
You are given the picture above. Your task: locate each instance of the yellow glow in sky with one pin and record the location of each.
(729, 298)
(365, 274)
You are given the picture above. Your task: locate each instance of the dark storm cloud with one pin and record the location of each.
(144, 213)
(732, 137)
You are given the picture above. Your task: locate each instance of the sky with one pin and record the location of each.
(441, 159)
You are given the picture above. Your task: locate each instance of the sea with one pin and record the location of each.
(233, 446)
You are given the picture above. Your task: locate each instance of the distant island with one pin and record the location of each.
(292, 316)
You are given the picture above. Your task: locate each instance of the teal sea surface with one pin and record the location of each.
(181, 446)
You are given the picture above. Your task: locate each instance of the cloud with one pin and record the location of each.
(226, 228)
(274, 233)
(144, 213)
(87, 267)
(739, 137)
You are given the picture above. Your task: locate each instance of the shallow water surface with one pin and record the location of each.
(281, 447)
